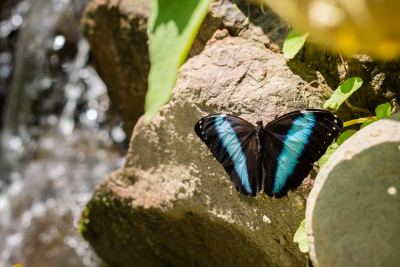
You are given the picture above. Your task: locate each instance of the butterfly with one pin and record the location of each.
(275, 157)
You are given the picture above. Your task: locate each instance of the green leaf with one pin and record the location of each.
(293, 43)
(344, 136)
(366, 123)
(301, 237)
(343, 92)
(173, 26)
(332, 148)
(382, 111)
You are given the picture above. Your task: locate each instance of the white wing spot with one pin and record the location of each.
(202, 132)
(335, 121)
(201, 127)
(205, 138)
(200, 122)
(335, 116)
(329, 134)
(324, 142)
(334, 128)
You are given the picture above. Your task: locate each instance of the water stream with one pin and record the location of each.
(59, 138)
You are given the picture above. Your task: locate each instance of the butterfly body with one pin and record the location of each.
(276, 157)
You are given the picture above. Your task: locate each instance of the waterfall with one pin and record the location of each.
(57, 140)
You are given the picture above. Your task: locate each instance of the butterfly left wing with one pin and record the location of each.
(232, 142)
(295, 141)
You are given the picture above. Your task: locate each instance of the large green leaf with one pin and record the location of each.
(343, 92)
(293, 43)
(332, 148)
(173, 26)
(344, 136)
(382, 111)
(301, 237)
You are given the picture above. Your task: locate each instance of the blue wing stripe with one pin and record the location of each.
(296, 139)
(232, 145)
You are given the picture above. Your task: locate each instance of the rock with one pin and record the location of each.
(116, 31)
(353, 211)
(173, 204)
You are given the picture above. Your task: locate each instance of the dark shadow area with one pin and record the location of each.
(149, 237)
(381, 82)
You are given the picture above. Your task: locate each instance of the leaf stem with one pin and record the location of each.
(356, 121)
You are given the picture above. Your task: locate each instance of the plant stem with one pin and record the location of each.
(356, 121)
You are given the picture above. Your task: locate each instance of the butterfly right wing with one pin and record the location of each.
(295, 141)
(232, 142)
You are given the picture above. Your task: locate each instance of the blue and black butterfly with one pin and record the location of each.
(276, 157)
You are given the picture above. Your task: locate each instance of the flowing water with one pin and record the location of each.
(59, 137)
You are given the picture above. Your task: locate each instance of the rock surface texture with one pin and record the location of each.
(116, 31)
(173, 204)
(353, 211)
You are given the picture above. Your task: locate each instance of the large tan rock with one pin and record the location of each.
(353, 211)
(173, 204)
(117, 33)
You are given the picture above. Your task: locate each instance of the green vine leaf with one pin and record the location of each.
(332, 148)
(173, 27)
(301, 237)
(382, 111)
(293, 43)
(343, 92)
(344, 136)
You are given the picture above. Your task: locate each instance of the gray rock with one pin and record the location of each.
(353, 211)
(173, 204)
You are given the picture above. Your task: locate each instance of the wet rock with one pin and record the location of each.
(353, 211)
(173, 204)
